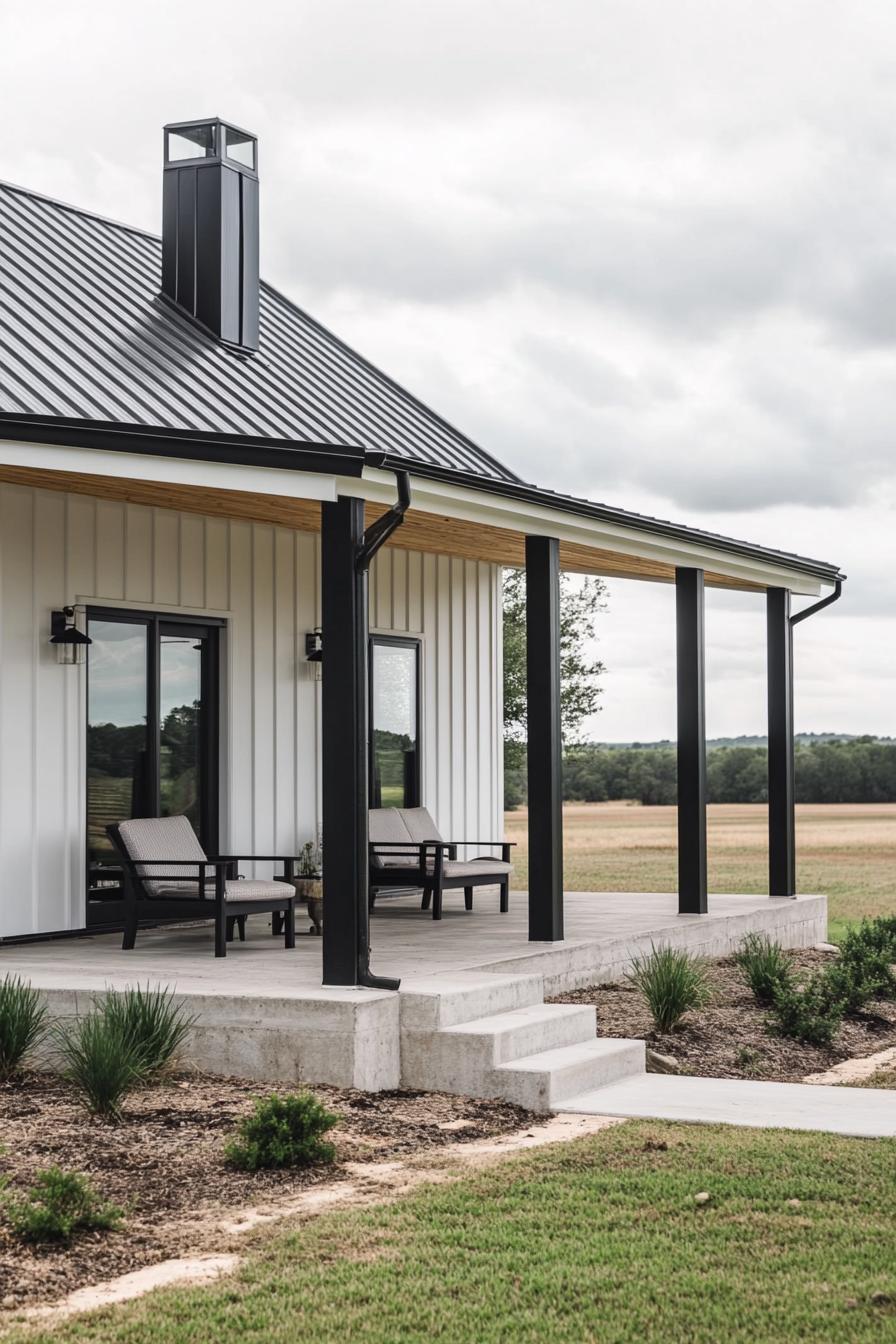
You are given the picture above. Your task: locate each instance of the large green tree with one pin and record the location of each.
(581, 602)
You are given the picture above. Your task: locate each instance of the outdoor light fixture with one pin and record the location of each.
(69, 640)
(314, 652)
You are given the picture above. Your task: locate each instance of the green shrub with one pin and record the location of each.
(867, 954)
(283, 1132)
(152, 1021)
(100, 1060)
(59, 1204)
(22, 1023)
(764, 966)
(811, 1012)
(672, 982)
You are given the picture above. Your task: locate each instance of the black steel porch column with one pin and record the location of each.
(781, 824)
(691, 742)
(344, 627)
(545, 745)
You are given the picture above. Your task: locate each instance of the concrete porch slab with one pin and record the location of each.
(261, 1011)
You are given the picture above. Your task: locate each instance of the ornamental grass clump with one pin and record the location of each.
(101, 1061)
(59, 1204)
(283, 1131)
(22, 1023)
(672, 981)
(764, 965)
(152, 1021)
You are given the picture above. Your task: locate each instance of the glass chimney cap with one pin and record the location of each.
(210, 139)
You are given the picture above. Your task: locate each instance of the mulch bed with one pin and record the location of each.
(728, 1038)
(163, 1164)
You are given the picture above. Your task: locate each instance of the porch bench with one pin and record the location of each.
(406, 850)
(165, 866)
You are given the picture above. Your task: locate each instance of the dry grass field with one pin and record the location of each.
(846, 851)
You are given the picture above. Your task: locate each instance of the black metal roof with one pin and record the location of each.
(91, 353)
(84, 334)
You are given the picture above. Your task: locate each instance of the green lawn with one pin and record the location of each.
(845, 851)
(598, 1240)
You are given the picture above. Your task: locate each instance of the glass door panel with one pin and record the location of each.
(395, 747)
(119, 775)
(180, 731)
(151, 734)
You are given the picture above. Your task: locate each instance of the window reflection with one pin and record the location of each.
(395, 739)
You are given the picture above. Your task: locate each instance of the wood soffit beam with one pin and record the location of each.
(428, 532)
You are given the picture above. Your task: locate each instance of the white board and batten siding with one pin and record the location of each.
(264, 581)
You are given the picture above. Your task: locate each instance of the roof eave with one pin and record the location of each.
(192, 445)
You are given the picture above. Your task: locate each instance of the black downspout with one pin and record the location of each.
(346, 553)
(781, 759)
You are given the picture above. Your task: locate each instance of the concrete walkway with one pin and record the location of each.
(860, 1111)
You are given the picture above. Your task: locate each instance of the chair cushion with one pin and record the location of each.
(387, 828)
(234, 890)
(477, 868)
(420, 825)
(149, 838)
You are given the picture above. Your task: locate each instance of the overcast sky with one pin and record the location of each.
(641, 250)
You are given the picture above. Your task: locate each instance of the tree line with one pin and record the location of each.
(860, 770)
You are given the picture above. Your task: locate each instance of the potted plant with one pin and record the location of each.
(307, 882)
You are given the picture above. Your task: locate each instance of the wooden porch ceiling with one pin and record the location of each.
(420, 531)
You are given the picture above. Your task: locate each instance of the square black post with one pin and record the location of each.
(692, 899)
(544, 737)
(781, 823)
(344, 630)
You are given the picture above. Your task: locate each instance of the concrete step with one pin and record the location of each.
(502, 1037)
(463, 1058)
(544, 1082)
(433, 1002)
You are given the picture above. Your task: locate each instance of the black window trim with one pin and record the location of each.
(414, 642)
(211, 695)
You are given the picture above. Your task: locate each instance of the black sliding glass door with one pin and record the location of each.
(152, 733)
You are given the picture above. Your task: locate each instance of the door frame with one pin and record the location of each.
(208, 627)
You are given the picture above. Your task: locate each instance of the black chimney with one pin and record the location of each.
(210, 228)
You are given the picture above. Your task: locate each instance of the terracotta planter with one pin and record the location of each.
(310, 890)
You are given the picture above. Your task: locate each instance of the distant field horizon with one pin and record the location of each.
(845, 851)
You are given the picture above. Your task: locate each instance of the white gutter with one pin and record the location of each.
(493, 510)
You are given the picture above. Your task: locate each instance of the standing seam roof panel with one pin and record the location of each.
(87, 336)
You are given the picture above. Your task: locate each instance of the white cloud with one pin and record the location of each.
(643, 252)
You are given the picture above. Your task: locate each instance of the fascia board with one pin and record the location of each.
(169, 470)
(521, 516)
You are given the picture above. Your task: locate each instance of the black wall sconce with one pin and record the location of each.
(314, 651)
(70, 642)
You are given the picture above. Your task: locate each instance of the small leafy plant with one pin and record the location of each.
(811, 1012)
(22, 1023)
(283, 1131)
(764, 966)
(100, 1060)
(59, 1204)
(867, 954)
(672, 982)
(152, 1021)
